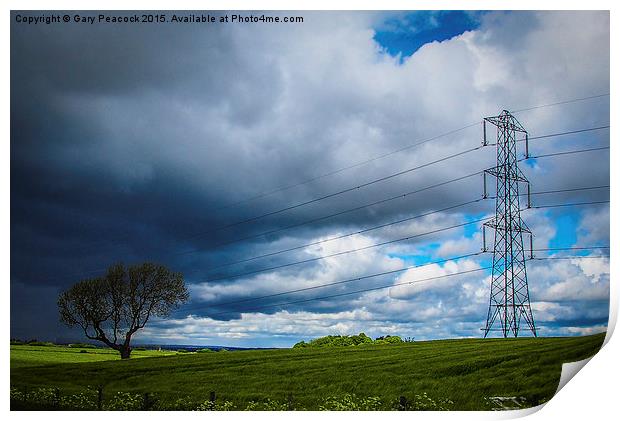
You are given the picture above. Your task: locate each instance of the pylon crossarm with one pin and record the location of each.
(513, 227)
(510, 125)
(521, 175)
(500, 174)
(524, 227)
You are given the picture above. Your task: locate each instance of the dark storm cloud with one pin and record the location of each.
(78, 203)
(120, 59)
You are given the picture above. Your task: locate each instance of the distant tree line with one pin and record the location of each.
(350, 340)
(32, 342)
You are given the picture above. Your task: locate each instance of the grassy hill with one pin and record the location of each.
(457, 374)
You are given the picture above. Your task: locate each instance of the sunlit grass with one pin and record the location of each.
(27, 355)
(466, 372)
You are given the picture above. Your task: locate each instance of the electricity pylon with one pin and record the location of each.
(509, 302)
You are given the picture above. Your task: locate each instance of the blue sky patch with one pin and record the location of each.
(565, 225)
(425, 255)
(405, 34)
(531, 162)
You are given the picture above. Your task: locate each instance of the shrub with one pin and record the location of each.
(17, 395)
(39, 343)
(215, 406)
(350, 402)
(43, 395)
(183, 404)
(186, 404)
(205, 350)
(336, 340)
(124, 401)
(140, 348)
(386, 340)
(353, 340)
(80, 401)
(361, 339)
(425, 403)
(182, 351)
(51, 398)
(81, 345)
(267, 405)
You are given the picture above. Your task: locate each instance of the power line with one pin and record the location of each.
(277, 294)
(375, 158)
(393, 152)
(560, 103)
(384, 286)
(546, 136)
(317, 199)
(557, 191)
(258, 217)
(282, 188)
(306, 222)
(400, 270)
(570, 204)
(566, 133)
(378, 157)
(370, 228)
(344, 235)
(311, 221)
(330, 195)
(568, 257)
(333, 194)
(314, 259)
(339, 170)
(403, 239)
(566, 153)
(345, 191)
(342, 192)
(354, 188)
(571, 248)
(325, 297)
(360, 278)
(387, 224)
(567, 190)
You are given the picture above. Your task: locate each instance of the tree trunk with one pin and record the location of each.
(125, 352)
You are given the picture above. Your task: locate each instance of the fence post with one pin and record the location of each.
(402, 403)
(99, 397)
(146, 402)
(212, 396)
(57, 397)
(289, 402)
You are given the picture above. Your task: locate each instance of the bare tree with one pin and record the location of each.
(112, 308)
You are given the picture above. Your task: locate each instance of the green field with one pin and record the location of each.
(29, 356)
(465, 372)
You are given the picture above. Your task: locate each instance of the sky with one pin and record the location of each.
(171, 142)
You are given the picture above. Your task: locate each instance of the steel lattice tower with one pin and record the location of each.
(509, 302)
